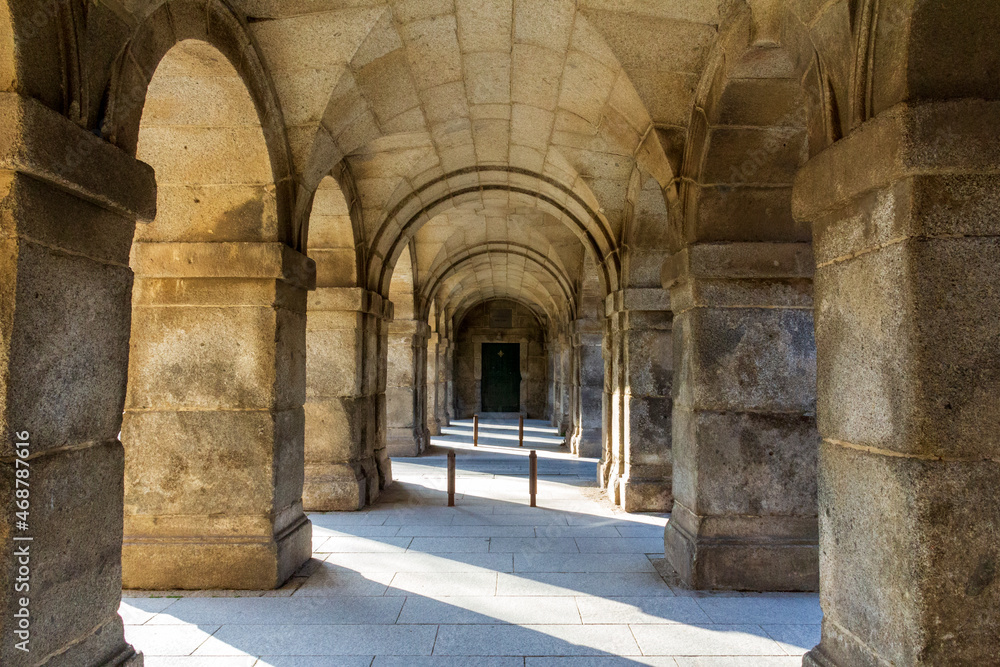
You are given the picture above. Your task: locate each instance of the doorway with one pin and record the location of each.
(501, 377)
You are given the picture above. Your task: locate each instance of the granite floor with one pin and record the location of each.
(491, 582)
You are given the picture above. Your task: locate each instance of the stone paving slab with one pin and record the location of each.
(422, 562)
(487, 610)
(450, 544)
(696, 640)
(368, 610)
(641, 610)
(598, 583)
(612, 545)
(793, 608)
(169, 640)
(308, 640)
(447, 661)
(514, 640)
(544, 562)
(526, 545)
(467, 531)
(794, 639)
(316, 661)
(492, 582)
(443, 584)
(192, 661)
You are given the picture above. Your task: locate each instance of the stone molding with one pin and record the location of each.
(904, 141)
(225, 260)
(350, 299)
(651, 299)
(38, 142)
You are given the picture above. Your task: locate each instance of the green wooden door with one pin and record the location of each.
(501, 377)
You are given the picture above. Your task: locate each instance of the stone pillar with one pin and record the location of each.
(406, 432)
(907, 244)
(744, 428)
(68, 205)
(552, 398)
(214, 426)
(433, 386)
(345, 448)
(586, 440)
(449, 381)
(566, 383)
(640, 457)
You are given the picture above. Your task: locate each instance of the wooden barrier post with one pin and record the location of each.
(475, 431)
(520, 431)
(533, 476)
(451, 478)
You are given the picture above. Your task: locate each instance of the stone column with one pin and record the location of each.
(433, 386)
(214, 426)
(68, 205)
(907, 246)
(744, 431)
(449, 381)
(344, 444)
(566, 383)
(587, 434)
(406, 433)
(641, 463)
(552, 400)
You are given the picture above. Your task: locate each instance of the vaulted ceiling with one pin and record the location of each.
(504, 139)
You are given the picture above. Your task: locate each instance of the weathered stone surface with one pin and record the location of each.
(64, 314)
(903, 287)
(744, 409)
(214, 418)
(346, 463)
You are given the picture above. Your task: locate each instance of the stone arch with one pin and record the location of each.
(402, 286)
(580, 214)
(40, 55)
(406, 364)
(433, 281)
(169, 22)
(920, 51)
(335, 242)
(549, 293)
(750, 133)
(213, 415)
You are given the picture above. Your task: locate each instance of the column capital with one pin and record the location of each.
(224, 260)
(741, 275)
(350, 299)
(416, 328)
(636, 298)
(38, 142)
(909, 140)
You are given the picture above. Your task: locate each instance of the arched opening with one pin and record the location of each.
(213, 426)
(500, 362)
(406, 365)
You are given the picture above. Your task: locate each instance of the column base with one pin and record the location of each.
(743, 553)
(212, 562)
(839, 648)
(586, 444)
(816, 658)
(406, 444)
(105, 646)
(639, 495)
(338, 487)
